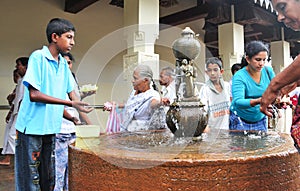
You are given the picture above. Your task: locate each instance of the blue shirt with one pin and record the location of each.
(244, 88)
(48, 76)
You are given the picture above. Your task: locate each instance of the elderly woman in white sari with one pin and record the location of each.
(141, 103)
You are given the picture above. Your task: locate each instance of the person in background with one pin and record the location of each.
(10, 98)
(248, 85)
(294, 94)
(83, 117)
(47, 81)
(166, 80)
(289, 78)
(215, 94)
(10, 131)
(70, 59)
(67, 135)
(141, 103)
(234, 68)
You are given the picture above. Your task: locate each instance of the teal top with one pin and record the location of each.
(244, 88)
(48, 76)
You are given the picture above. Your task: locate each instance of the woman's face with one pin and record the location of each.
(139, 83)
(257, 62)
(288, 12)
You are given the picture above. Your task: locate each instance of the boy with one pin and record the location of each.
(14, 99)
(67, 135)
(47, 81)
(215, 94)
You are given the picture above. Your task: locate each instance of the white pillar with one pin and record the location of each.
(280, 54)
(141, 21)
(231, 46)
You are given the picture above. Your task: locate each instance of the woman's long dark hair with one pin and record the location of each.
(252, 49)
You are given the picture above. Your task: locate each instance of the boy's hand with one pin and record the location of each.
(8, 117)
(88, 93)
(76, 121)
(82, 106)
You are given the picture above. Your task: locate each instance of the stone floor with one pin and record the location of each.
(7, 181)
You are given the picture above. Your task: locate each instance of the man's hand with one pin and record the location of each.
(165, 101)
(266, 100)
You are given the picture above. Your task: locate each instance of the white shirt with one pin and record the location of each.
(217, 105)
(169, 91)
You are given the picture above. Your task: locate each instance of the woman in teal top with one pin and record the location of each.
(248, 85)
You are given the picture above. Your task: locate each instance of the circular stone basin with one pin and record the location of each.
(156, 160)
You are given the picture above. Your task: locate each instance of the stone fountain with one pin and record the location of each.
(186, 116)
(157, 160)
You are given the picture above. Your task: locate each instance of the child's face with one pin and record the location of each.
(69, 61)
(21, 69)
(65, 42)
(214, 72)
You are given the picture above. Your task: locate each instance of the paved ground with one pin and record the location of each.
(7, 181)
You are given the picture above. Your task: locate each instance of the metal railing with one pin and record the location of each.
(4, 107)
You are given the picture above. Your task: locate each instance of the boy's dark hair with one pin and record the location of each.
(68, 54)
(58, 26)
(235, 67)
(23, 60)
(214, 60)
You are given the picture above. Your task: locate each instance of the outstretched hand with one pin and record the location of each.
(82, 106)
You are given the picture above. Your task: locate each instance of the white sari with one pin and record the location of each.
(138, 111)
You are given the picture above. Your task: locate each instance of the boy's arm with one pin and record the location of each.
(84, 118)
(9, 113)
(69, 117)
(37, 96)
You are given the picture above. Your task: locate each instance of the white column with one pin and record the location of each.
(280, 54)
(231, 46)
(141, 21)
